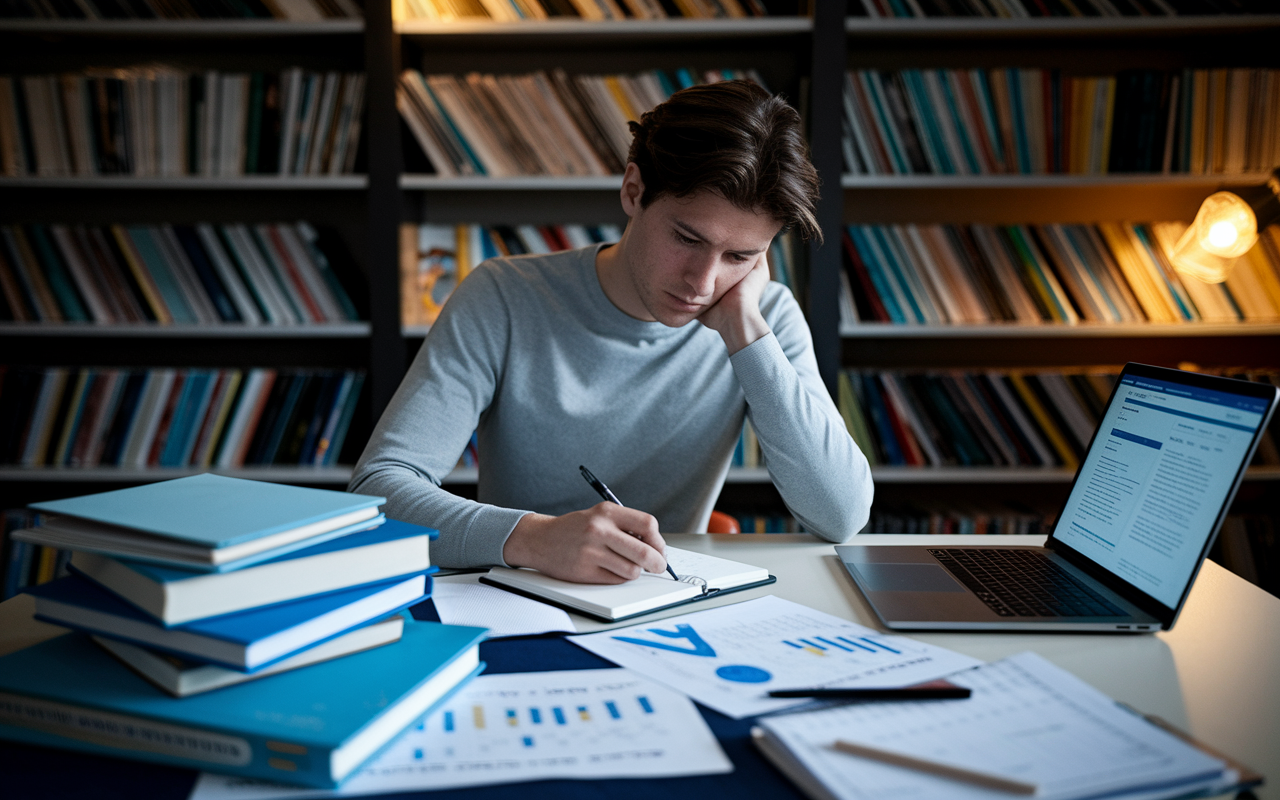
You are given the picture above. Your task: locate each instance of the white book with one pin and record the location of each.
(182, 678)
(296, 251)
(234, 442)
(171, 139)
(233, 102)
(264, 285)
(309, 102)
(701, 576)
(147, 419)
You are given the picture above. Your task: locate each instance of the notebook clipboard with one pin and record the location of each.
(706, 595)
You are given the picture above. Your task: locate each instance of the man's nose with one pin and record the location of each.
(700, 275)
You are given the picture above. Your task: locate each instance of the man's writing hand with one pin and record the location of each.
(736, 315)
(606, 543)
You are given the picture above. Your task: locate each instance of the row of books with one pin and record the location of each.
(1040, 419)
(1107, 273)
(292, 10)
(518, 10)
(1035, 121)
(23, 564)
(1015, 9)
(435, 258)
(540, 123)
(158, 121)
(988, 520)
(284, 274)
(87, 417)
(184, 595)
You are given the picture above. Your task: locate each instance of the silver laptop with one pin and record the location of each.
(1146, 504)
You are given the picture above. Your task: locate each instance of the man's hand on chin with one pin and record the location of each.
(606, 543)
(736, 316)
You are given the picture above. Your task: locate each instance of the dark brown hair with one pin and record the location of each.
(732, 138)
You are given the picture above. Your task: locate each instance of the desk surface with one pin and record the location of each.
(1216, 674)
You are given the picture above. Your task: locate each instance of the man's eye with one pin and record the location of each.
(680, 237)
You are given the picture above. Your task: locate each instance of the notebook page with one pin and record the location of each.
(1027, 720)
(719, 573)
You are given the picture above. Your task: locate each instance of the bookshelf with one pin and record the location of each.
(803, 55)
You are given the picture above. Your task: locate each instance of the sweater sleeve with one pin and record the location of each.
(430, 420)
(823, 477)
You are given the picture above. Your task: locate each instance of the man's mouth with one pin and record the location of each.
(683, 305)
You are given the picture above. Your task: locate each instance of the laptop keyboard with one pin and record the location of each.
(1023, 583)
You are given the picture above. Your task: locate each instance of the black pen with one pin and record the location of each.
(933, 693)
(605, 493)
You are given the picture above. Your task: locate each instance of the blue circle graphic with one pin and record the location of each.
(740, 673)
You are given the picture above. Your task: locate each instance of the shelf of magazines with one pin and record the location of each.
(254, 183)
(194, 28)
(1056, 27)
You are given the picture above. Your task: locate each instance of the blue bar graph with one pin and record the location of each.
(881, 644)
(583, 714)
(528, 741)
(535, 716)
(813, 644)
(559, 714)
(825, 640)
(417, 754)
(448, 721)
(858, 645)
(793, 644)
(512, 719)
(613, 709)
(644, 703)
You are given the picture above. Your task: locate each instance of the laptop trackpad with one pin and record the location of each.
(906, 578)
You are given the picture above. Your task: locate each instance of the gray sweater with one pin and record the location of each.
(531, 353)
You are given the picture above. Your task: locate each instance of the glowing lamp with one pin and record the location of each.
(1225, 228)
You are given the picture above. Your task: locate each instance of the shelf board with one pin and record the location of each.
(469, 475)
(242, 182)
(1084, 330)
(609, 29)
(1052, 181)
(540, 183)
(185, 28)
(1055, 27)
(339, 475)
(337, 330)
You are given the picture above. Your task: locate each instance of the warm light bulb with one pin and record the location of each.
(1225, 229)
(1222, 235)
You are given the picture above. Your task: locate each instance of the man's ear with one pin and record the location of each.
(632, 190)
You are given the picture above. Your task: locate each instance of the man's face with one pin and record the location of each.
(684, 253)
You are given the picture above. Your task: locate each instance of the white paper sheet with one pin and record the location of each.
(597, 723)
(1027, 720)
(729, 658)
(503, 613)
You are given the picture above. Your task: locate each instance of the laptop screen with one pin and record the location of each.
(1153, 485)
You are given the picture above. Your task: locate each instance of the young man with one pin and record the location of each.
(637, 360)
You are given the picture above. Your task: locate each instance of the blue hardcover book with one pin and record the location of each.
(202, 521)
(175, 596)
(314, 726)
(247, 641)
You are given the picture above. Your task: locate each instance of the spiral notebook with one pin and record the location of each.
(701, 576)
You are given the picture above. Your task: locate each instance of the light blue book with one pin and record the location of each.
(175, 596)
(247, 641)
(208, 522)
(313, 726)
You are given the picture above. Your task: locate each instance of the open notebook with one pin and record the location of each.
(701, 576)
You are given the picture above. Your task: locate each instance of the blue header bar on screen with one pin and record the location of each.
(1255, 404)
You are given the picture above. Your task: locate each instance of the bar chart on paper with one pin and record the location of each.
(599, 723)
(729, 658)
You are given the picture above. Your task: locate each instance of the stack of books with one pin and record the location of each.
(594, 10)
(210, 583)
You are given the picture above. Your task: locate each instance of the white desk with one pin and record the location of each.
(1216, 674)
